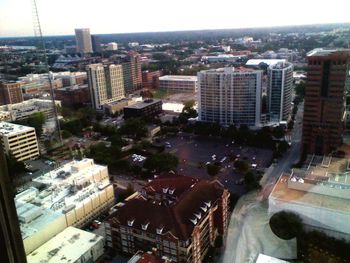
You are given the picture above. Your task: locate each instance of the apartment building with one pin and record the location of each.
(181, 84)
(83, 40)
(10, 92)
(230, 96)
(132, 72)
(279, 91)
(106, 84)
(19, 140)
(150, 79)
(175, 216)
(324, 107)
(71, 195)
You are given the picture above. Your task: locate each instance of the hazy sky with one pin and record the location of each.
(60, 17)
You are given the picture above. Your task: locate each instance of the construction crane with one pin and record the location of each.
(41, 46)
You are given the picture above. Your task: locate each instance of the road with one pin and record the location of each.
(249, 233)
(291, 157)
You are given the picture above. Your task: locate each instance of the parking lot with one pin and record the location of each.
(196, 152)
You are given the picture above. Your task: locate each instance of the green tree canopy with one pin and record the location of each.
(161, 162)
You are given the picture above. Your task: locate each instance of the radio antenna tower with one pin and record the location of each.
(41, 46)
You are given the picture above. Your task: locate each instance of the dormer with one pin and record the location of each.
(165, 190)
(131, 222)
(198, 215)
(208, 204)
(145, 226)
(159, 230)
(171, 191)
(204, 208)
(194, 221)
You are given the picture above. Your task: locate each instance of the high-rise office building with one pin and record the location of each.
(96, 43)
(106, 84)
(10, 92)
(83, 39)
(279, 91)
(324, 107)
(132, 72)
(230, 96)
(11, 245)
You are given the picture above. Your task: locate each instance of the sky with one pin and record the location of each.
(60, 17)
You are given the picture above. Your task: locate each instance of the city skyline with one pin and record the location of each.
(192, 16)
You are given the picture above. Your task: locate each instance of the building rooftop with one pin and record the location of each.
(229, 70)
(10, 129)
(267, 259)
(176, 215)
(178, 78)
(143, 104)
(320, 52)
(64, 189)
(257, 62)
(67, 246)
(148, 257)
(284, 193)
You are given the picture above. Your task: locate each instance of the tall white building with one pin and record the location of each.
(83, 39)
(230, 96)
(279, 90)
(106, 84)
(19, 140)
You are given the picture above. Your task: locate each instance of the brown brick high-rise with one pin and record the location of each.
(323, 123)
(10, 93)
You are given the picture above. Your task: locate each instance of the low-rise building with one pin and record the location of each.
(71, 195)
(148, 108)
(19, 140)
(150, 79)
(71, 245)
(178, 83)
(73, 95)
(23, 110)
(183, 219)
(319, 193)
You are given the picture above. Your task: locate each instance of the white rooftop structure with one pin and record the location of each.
(267, 259)
(8, 129)
(269, 62)
(69, 246)
(72, 195)
(178, 78)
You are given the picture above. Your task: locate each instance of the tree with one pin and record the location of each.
(300, 89)
(161, 162)
(14, 167)
(286, 225)
(213, 169)
(65, 134)
(36, 120)
(134, 127)
(278, 132)
(251, 181)
(241, 166)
